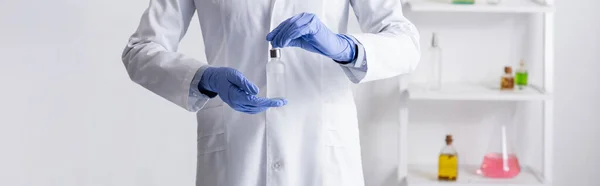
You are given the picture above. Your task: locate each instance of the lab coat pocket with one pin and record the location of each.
(212, 158)
(336, 164)
(335, 149)
(337, 125)
(342, 165)
(342, 155)
(211, 130)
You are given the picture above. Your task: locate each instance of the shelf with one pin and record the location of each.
(463, 91)
(505, 6)
(426, 175)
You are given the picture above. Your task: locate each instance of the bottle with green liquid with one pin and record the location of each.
(521, 76)
(463, 1)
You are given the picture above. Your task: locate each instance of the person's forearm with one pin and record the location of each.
(391, 41)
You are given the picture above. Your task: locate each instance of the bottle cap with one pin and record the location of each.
(507, 70)
(449, 139)
(274, 53)
(522, 63)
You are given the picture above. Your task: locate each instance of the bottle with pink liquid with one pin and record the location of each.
(500, 161)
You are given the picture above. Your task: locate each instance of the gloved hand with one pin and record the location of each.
(306, 31)
(235, 90)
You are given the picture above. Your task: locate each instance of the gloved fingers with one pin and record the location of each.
(276, 42)
(255, 101)
(276, 30)
(242, 83)
(240, 101)
(242, 109)
(297, 27)
(256, 110)
(307, 26)
(237, 104)
(249, 109)
(292, 32)
(271, 35)
(293, 35)
(300, 42)
(237, 107)
(266, 102)
(232, 97)
(284, 27)
(275, 102)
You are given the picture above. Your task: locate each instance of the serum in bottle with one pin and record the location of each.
(275, 75)
(448, 162)
(521, 76)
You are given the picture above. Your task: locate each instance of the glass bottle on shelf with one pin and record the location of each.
(463, 1)
(435, 77)
(275, 75)
(493, 2)
(448, 162)
(508, 81)
(521, 76)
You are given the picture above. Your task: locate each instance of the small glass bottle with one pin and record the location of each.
(493, 2)
(275, 75)
(448, 162)
(521, 76)
(463, 1)
(508, 81)
(435, 76)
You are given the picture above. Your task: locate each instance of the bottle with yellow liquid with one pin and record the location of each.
(448, 162)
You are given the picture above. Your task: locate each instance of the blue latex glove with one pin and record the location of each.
(235, 90)
(306, 31)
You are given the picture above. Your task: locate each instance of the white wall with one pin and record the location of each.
(71, 116)
(577, 90)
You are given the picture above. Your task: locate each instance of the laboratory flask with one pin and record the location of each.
(500, 161)
(275, 75)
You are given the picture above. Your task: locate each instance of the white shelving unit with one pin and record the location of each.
(476, 92)
(419, 177)
(523, 6)
(424, 175)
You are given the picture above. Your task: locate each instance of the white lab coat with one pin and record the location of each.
(312, 141)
